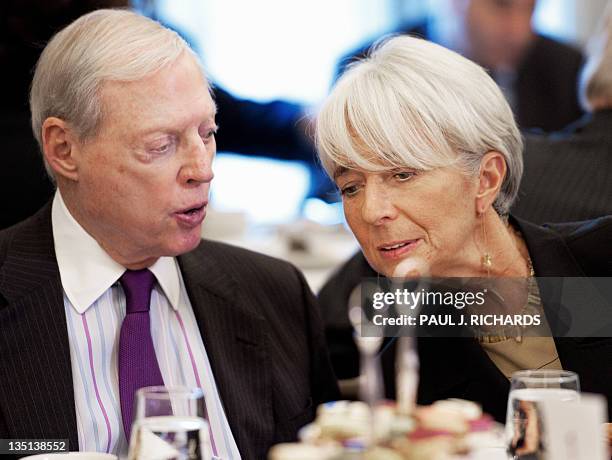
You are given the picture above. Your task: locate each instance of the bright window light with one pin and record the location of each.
(554, 18)
(323, 213)
(271, 49)
(267, 191)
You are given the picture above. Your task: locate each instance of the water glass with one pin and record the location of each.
(170, 423)
(525, 433)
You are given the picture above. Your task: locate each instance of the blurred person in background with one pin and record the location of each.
(109, 287)
(427, 156)
(276, 129)
(538, 75)
(568, 175)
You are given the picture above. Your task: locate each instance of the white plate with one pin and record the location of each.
(72, 456)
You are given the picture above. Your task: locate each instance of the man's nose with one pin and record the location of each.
(198, 168)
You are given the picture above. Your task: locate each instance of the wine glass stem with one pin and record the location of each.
(371, 390)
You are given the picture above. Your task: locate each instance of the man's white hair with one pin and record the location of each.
(104, 45)
(595, 86)
(412, 103)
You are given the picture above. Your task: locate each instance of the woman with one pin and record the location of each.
(425, 151)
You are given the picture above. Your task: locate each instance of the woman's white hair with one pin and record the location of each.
(412, 103)
(595, 87)
(104, 45)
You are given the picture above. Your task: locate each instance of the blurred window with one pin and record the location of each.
(270, 49)
(555, 18)
(273, 49)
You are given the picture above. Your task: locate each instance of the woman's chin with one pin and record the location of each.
(408, 267)
(411, 267)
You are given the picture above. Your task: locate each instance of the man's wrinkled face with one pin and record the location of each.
(143, 180)
(499, 31)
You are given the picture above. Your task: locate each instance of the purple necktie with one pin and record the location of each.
(137, 362)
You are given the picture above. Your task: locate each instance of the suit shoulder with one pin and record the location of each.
(554, 50)
(348, 275)
(6, 237)
(28, 231)
(589, 240)
(537, 144)
(337, 289)
(244, 262)
(541, 149)
(593, 229)
(226, 250)
(15, 236)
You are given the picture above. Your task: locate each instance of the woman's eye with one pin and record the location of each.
(403, 176)
(349, 190)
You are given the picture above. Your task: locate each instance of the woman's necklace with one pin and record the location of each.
(532, 302)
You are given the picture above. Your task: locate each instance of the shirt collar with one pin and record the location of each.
(87, 271)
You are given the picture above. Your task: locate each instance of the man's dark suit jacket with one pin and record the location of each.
(546, 84)
(459, 367)
(568, 175)
(259, 323)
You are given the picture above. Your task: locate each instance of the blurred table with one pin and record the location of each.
(315, 249)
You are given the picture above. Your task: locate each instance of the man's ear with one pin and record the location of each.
(492, 172)
(60, 148)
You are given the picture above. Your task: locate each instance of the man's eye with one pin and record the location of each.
(163, 146)
(161, 149)
(207, 134)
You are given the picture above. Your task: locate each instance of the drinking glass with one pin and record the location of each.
(170, 423)
(525, 434)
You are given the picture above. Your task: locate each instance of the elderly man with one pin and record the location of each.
(110, 288)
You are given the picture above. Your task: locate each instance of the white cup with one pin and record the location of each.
(72, 456)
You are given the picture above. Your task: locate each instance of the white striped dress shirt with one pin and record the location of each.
(94, 304)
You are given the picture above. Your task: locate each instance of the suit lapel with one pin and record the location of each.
(557, 261)
(36, 393)
(232, 332)
(551, 256)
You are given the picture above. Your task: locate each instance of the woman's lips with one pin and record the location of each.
(397, 249)
(191, 217)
